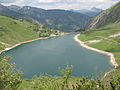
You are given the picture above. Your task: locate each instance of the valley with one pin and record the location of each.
(38, 48)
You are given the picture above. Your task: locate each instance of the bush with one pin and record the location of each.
(10, 78)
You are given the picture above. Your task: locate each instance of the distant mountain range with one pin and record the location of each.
(93, 12)
(64, 20)
(14, 7)
(109, 16)
(6, 11)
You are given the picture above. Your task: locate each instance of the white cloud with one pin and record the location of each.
(77, 4)
(93, 1)
(65, 4)
(7, 1)
(47, 1)
(74, 1)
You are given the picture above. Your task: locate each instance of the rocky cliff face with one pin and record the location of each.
(96, 22)
(109, 16)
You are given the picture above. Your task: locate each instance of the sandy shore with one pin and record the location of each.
(112, 59)
(6, 49)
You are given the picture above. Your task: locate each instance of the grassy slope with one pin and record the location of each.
(114, 15)
(109, 44)
(13, 31)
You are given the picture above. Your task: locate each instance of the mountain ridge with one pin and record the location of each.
(63, 20)
(14, 31)
(92, 12)
(6, 11)
(57, 19)
(109, 16)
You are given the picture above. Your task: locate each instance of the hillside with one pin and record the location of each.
(106, 37)
(103, 33)
(5, 11)
(56, 19)
(109, 16)
(13, 31)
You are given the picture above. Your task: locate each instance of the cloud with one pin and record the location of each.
(48, 1)
(76, 4)
(62, 4)
(73, 1)
(7, 1)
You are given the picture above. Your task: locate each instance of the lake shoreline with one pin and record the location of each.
(111, 56)
(40, 38)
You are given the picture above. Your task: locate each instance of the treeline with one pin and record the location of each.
(44, 31)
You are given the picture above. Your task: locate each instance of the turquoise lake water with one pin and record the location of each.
(47, 55)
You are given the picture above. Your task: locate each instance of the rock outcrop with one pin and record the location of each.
(109, 16)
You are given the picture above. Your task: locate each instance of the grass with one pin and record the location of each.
(47, 83)
(109, 44)
(25, 85)
(101, 33)
(114, 74)
(14, 31)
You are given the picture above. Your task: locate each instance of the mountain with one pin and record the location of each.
(5, 11)
(105, 35)
(109, 16)
(94, 9)
(14, 7)
(14, 31)
(80, 11)
(56, 19)
(93, 12)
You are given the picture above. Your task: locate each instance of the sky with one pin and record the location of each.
(62, 4)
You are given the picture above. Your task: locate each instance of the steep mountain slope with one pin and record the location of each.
(5, 11)
(111, 15)
(56, 19)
